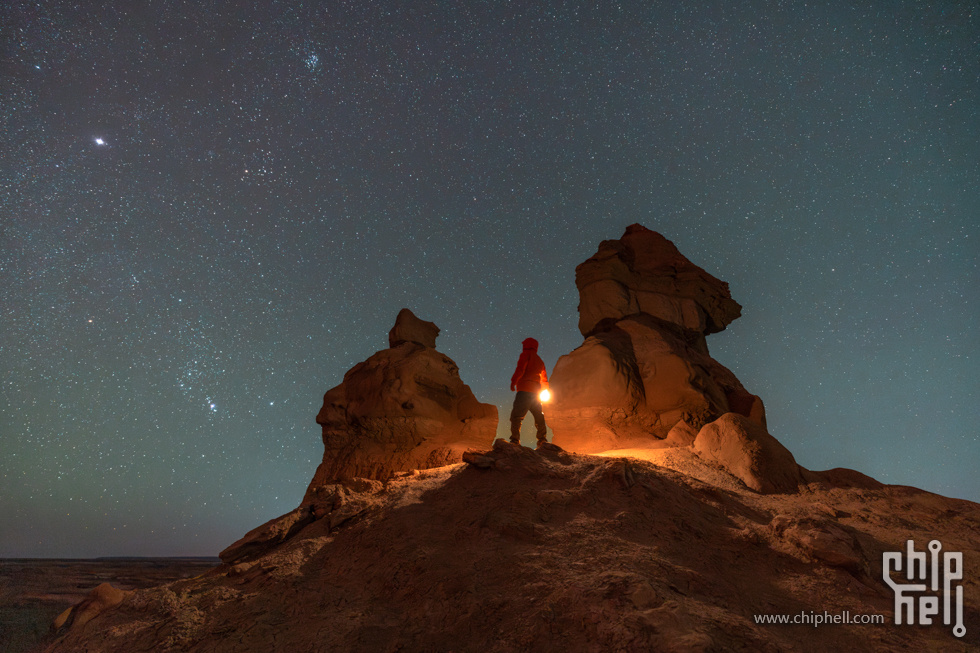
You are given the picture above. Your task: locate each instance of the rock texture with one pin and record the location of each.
(749, 453)
(643, 272)
(100, 599)
(336, 504)
(409, 328)
(35, 593)
(555, 551)
(403, 408)
(644, 367)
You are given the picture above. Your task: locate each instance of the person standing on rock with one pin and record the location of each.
(529, 379)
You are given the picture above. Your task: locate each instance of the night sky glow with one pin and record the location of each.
(210, 211)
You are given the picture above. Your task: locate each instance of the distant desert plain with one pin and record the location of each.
(34, 591)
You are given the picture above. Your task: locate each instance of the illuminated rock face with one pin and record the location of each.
(643, 272)
(644, 366)
(748, 452)
(403, 408)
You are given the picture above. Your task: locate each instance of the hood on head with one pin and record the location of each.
(530, 343)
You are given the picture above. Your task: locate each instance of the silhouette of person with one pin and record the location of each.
(529, 379)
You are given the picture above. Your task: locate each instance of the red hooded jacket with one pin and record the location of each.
(530, 375)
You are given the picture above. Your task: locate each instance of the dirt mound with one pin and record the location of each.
(549, 551)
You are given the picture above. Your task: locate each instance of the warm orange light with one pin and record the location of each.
(545, 396)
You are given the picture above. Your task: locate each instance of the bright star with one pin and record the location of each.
(99, 141)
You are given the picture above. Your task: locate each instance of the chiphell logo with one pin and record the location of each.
(949, 567)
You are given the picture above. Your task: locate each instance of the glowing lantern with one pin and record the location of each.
(545, 396)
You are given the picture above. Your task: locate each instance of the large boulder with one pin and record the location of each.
(101, 599)
(631, 384)
(747, 451)
(643, 272)
(403, 408)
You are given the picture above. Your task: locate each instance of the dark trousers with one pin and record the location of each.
(523, 402)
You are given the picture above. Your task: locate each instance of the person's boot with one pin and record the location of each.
(515, 431)
(541, 430)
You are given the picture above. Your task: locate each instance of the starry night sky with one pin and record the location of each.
(209, 211)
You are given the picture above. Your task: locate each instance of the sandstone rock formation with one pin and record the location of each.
(748, 452)
(103, 597)
(334, 505)
(403, 408)
(37, 595)
(644, 367)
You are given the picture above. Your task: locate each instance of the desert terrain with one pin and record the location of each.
(663, 515)
(34, 591)
(547, 551)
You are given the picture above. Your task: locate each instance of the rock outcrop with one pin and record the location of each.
(103, 597)
(403, 408)
(644, 367)
(335, 506)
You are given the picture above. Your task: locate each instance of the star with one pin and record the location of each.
(99, 141)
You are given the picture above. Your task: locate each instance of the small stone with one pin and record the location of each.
(505, 447)
(644, 597)
(477, 459)
(548, 446)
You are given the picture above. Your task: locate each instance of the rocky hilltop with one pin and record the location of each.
(556, 551)
(671, 521)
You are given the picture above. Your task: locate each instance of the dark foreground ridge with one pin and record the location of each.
(546, 550)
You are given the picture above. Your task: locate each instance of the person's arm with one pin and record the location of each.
(519, 372)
